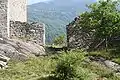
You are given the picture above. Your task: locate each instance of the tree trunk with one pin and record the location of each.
(106, 44)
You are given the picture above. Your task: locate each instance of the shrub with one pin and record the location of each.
(60, 40)
(65, 71)
(66, 66)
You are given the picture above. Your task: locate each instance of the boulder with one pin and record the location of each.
(109, 64)
(112, 65)
(3, 61)
(4, 58)
(19, 50)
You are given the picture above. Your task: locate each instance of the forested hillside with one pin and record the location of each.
(56, 15)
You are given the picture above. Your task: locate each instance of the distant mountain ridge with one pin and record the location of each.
(56, 15)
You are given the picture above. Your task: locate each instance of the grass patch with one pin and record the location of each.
(112, 55)
(28, 70)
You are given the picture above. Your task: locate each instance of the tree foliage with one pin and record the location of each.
(103, 19)
(60, 40)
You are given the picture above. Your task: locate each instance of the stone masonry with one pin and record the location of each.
(11, 10)
(13, 22)
(34, 32)
(77, 37)
(3, 18)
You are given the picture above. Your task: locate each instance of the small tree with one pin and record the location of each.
(60, 40)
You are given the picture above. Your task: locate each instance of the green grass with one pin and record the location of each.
(101, 71)
(41, 68)
(32, 69)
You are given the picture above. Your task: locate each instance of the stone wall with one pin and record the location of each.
(78, 37)
(18, 10)
(15, 10)
(3, 18)
(34, 32)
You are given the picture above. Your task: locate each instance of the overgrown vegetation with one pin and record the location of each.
(71, 66)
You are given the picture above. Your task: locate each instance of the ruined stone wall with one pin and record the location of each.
(78, 37)
(15, 10)
(34, 32)
(18, 10)
(3, 18)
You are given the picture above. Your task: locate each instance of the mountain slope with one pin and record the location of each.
(56, 15)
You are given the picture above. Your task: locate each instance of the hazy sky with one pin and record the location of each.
(35, 1)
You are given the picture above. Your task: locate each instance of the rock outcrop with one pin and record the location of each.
(19, 50)
(3, 61)
(110, 64)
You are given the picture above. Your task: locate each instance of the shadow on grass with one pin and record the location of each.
(115, 53)
(55, 50)
(109, 55)
(47, 78)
